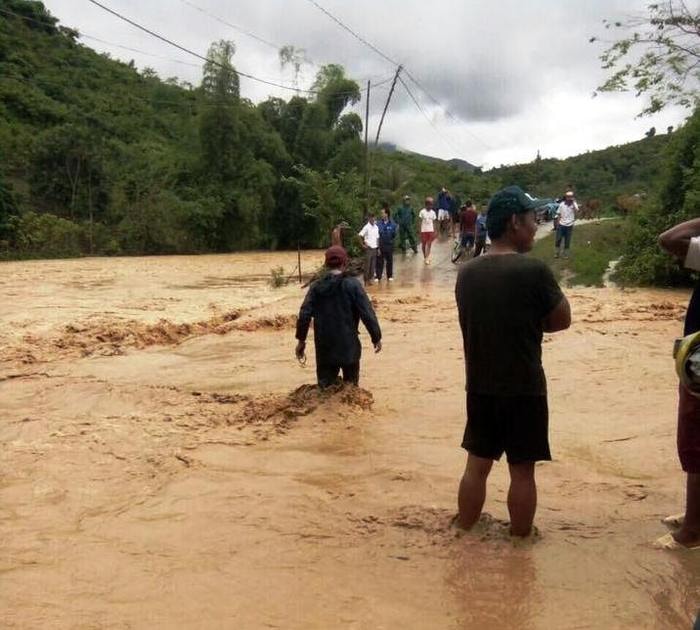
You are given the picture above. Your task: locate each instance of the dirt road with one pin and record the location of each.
(164, 465)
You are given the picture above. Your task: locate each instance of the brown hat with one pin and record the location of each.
(336, 256)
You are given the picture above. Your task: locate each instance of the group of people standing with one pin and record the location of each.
(507, 408)
(379, 236)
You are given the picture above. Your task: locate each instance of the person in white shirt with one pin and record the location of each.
(370, 241)
(427, 218)
(566, 215)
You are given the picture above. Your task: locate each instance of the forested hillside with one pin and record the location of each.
(98, 157)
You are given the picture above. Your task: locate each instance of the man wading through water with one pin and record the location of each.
(337, 302)
(518, 300)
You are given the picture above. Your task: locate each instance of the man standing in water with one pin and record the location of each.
(387, 234)
(518, 300)
(406, 218)
(370, 241)
(683, 241)
(337, 302)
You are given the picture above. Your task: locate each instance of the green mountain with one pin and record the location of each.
(98, 157)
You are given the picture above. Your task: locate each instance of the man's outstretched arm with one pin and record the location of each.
(676, 241)
(303, 322)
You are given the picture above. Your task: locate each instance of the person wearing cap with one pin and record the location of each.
(683, 242)
(387, 234)
(336, 302)
(427, 229)
(406, 219)
(370, 242)
(519, 300)
(566, 217)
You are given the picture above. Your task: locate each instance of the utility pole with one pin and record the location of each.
(367, 150)
(386, 106)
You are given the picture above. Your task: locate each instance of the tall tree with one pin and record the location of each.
(220, 78)
(335, 91)
(219, 130)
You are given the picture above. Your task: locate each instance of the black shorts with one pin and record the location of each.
(516, 425)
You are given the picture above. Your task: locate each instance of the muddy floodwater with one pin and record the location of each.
(166, 464)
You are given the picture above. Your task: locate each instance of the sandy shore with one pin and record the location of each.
(164, 465)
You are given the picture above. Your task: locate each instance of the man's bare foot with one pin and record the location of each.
(674, 521)
(686, 538)
(460, 524)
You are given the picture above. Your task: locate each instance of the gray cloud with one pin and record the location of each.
(492, 64)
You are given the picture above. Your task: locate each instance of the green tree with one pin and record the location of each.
(335, 91)
(220, 78)
(296, 58)
(328, 199)
(678, 200)
(657, 56)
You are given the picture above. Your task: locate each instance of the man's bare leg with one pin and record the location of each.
(689, 533)
(472, 490)
(522, 498)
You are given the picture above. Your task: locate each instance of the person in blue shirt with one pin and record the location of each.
(387, 234)
(481, 232)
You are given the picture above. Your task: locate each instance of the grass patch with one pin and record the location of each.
(593, 246)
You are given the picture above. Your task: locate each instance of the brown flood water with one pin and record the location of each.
(163, 465)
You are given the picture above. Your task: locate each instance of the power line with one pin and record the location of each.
(353, 33)
(194, 54)
(389, 59)
(233, 26)
(427, 117)
(443, 108)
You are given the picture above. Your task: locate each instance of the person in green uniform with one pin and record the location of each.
(405, 216)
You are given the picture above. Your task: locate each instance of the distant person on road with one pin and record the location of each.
(427, 229)
(337, 233)
(518, 300)
(336, 302)
(467, 225)
(387, 234)
(370, 242)
(455, 207)
(481, 233)
(566, 217)
(443, 211)
(406, 219)
(683, 241)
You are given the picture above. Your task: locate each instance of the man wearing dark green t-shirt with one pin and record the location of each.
(506, 301)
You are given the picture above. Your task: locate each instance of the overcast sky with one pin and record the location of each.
(510, 77)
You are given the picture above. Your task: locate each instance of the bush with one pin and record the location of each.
(277, 278)
(643, 261)
(46, 235)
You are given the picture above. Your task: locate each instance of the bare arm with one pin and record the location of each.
(677, 240)
(559, 318)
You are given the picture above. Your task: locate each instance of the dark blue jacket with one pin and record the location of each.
(337, 303)
(387, 232)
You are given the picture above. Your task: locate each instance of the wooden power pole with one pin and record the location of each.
(386, 105)
(367, 150)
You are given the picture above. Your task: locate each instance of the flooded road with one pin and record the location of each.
(164, 465)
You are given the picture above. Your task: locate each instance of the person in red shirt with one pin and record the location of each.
(467, 225)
